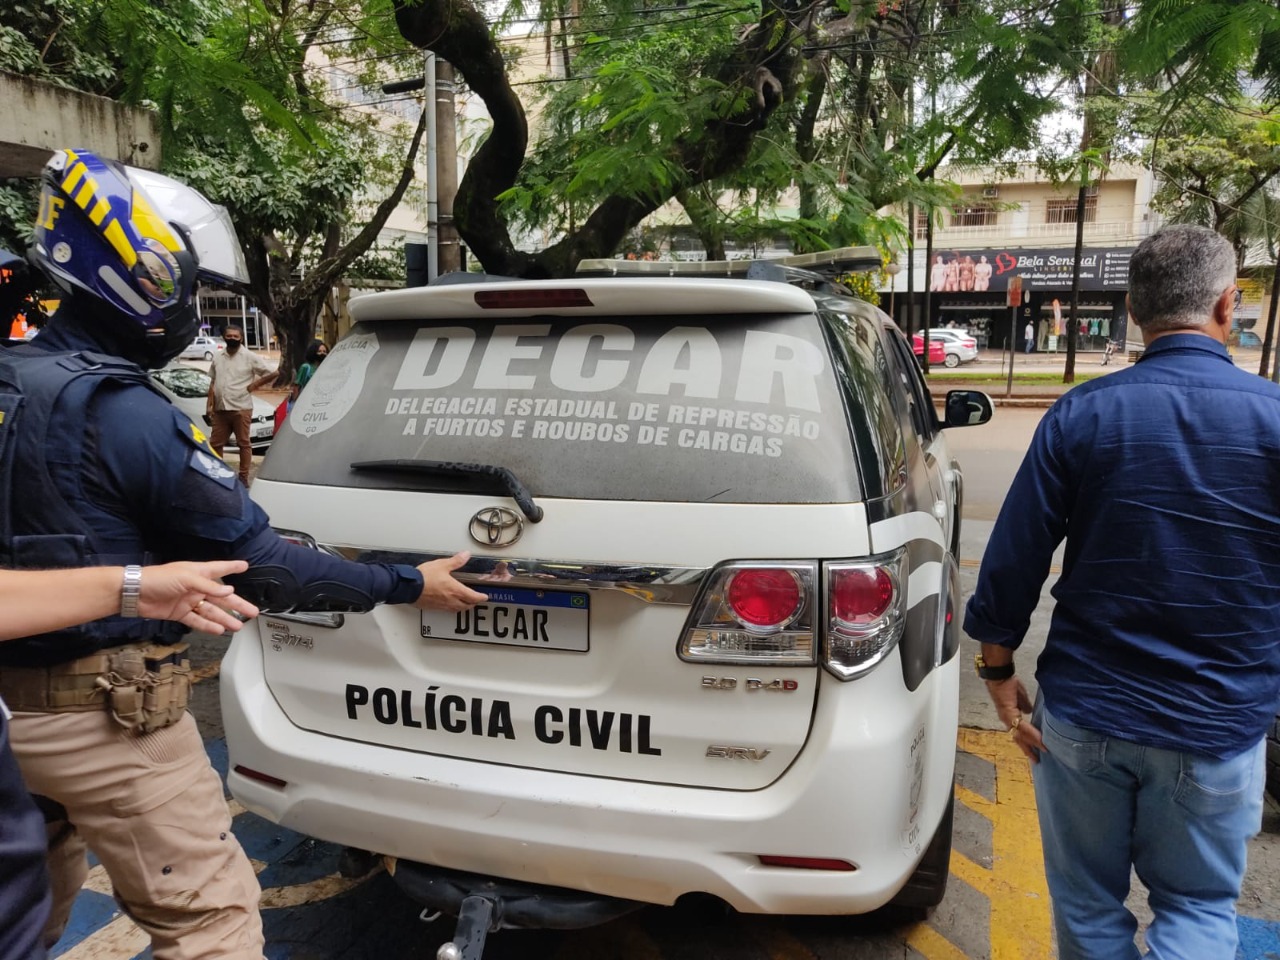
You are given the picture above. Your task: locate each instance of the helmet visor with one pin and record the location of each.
(213, 238)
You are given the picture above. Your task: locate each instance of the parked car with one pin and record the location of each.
(1249, 339)
(937, 352)
(202, 348)
(188, 389)
(960, 346)
(717, 521)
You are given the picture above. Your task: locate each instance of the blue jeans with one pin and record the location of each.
(1181, 819)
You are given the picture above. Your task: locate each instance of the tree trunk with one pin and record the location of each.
(1268, 344)
(1098, 79)
(705, 218)
(806, 143)
(459, 32)
(1073, 326)
(293, 307)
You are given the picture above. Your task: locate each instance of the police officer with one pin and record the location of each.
(37, 600)
(114, 475)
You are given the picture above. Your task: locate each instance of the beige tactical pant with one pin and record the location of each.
(151, 809)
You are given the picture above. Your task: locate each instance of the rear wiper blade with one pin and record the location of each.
(510, 482)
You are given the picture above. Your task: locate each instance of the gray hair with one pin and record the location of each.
(1176, 276)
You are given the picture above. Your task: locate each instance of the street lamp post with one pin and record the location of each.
(892, 268)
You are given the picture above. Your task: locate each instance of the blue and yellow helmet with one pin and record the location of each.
(136, 240)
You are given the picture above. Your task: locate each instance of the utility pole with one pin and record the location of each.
(444, 250)
(449, 250)
(433, 205)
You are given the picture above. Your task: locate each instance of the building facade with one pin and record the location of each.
(1017, 224)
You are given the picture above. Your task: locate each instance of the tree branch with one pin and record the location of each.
(335, 261)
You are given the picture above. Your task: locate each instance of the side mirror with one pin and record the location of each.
(966, 408)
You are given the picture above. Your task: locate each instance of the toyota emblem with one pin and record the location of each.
(496, 527)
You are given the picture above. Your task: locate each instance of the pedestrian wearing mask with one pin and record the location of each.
(126, 479)
(1161, 670)
(316, 352)
(233, 376)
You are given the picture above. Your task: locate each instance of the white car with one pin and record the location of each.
(717, 521)
(202, 348)
(960, 345)
(188, 389)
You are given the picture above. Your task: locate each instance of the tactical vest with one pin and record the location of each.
(45, 513)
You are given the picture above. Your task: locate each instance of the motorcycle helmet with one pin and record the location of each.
(136, 241)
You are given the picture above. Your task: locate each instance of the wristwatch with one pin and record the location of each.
(992, 673)
(130, 591)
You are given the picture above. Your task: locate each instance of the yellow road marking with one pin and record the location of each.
(119, 938)
(1020, 922)
(298, 894)
(975, 802)
(206, 670)
(932, 945)
(98, 881)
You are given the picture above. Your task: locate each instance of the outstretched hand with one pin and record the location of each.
(191, 594)
(441, 590)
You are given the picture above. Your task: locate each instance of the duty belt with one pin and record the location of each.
(144, 686)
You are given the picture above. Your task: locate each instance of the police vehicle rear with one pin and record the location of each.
(717, 521)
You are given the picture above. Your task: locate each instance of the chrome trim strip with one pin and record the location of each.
(647, 582)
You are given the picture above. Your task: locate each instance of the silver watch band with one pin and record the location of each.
(130, 591)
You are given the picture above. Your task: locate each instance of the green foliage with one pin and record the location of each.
(261, 107)
(17, 214)
(1204, 46)
(1218, 168)
(385, 262)
(644, 85)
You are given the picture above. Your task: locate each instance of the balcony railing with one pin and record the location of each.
(1115, 230)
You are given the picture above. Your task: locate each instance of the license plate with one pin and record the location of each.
(260, 431)
(547, 619)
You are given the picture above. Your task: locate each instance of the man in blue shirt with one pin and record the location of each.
(1161, 670)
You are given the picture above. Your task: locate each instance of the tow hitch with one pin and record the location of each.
(486, 904)
(476, 918)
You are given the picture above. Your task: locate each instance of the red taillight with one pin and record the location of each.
(764, 597)
(859, 595)
(808, 863)
(261, 777)
(531, 299)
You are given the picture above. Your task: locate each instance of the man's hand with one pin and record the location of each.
(190, 593)
(1013, 707)
(441, 591)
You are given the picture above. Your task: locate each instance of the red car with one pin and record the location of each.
(937, 353)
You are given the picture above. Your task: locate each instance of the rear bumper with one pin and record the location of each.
(870, 787)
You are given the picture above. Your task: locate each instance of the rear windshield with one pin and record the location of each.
(692, 409)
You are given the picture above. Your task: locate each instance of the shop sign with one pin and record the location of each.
(991, 269)
(1249, 297)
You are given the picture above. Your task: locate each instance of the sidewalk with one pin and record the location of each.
(989, 374)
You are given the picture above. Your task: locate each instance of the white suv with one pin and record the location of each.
(960, 345)
(717, 520)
